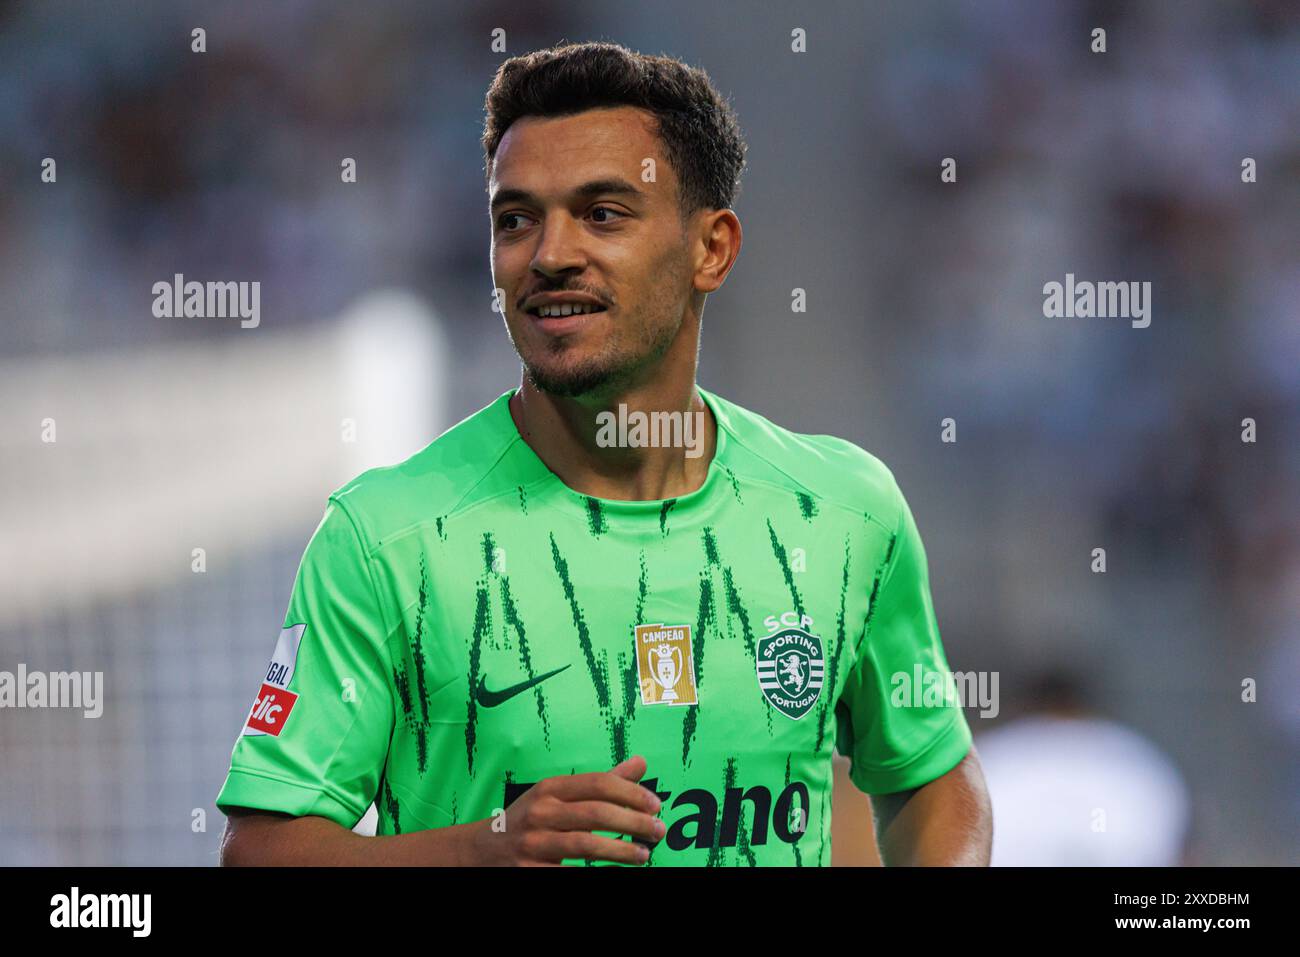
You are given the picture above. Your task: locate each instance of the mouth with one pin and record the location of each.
(560, 318)
(560, 310)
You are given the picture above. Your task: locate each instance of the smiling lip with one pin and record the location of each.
(559, 298)
(559, 325)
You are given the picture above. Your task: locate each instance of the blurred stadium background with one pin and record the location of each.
(925, 302)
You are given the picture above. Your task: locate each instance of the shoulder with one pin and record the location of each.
(446, 474)
(824, 466)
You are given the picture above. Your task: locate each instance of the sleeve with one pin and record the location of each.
(317, 736)
(899, 719)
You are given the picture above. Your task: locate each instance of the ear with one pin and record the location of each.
(716, 238)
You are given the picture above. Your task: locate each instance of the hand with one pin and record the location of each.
(553, 821)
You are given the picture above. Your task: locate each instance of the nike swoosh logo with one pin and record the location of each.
(490, 699)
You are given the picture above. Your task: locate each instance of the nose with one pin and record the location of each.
(560, 248)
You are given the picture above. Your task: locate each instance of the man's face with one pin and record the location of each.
(572, 218)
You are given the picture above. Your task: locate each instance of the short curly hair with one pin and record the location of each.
(697, 126)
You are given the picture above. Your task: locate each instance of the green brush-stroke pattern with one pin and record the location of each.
(702, 619)
(798, 855)
(875, 590)
(595, 517)
(827, 703)
(580, 623)
(511, 615)
(663, 515)
(475, 661)
(390, 805)
(807, 505)
(779, 551)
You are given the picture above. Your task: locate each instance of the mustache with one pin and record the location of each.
(606, 301)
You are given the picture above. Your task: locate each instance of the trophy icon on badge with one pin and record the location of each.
(666, 668)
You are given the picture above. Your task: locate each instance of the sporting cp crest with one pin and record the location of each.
(790, 670)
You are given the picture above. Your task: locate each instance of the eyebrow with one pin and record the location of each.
(596, 187)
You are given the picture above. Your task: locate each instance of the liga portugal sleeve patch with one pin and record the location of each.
(271, 709)
(274, 702)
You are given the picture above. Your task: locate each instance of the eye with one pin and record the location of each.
(607, 209)
(501, 221)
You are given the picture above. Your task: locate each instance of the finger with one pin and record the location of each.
(602, 816)
(604, 786)
(582, 846)
(633, 768)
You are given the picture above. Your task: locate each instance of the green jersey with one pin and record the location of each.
(464, 624)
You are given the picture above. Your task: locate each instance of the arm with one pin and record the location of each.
(947, 822)
(260, 838)
(551, 822)
(912, 754)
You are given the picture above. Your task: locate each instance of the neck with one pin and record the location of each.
(595, 447)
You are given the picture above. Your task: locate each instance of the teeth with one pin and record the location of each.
(567, 309)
